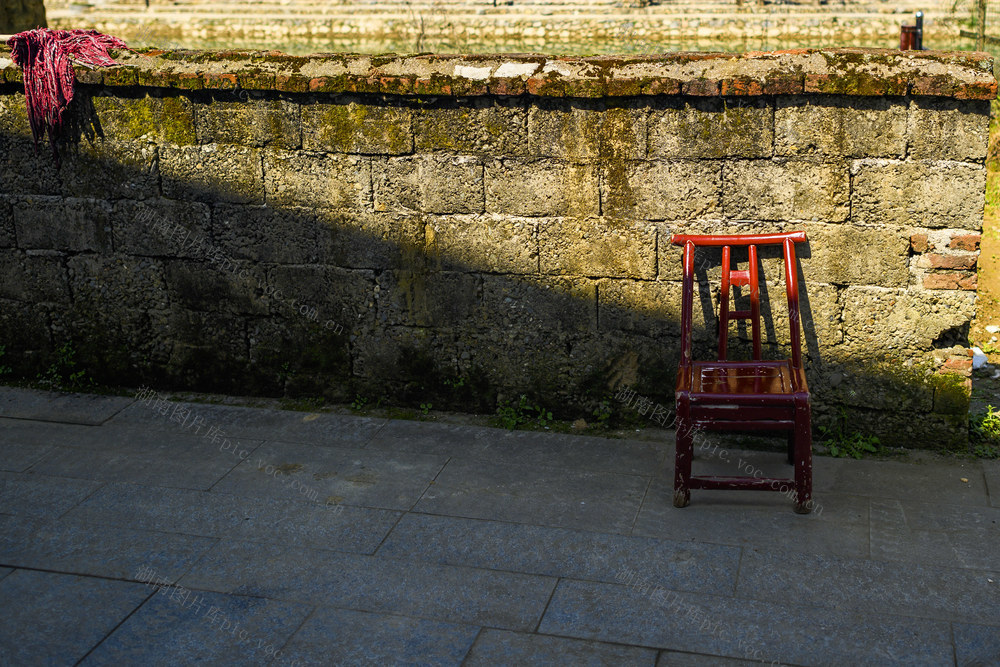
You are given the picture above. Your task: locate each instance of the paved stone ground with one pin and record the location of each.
(286, 537)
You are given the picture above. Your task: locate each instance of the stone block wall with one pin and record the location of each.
(461, 230)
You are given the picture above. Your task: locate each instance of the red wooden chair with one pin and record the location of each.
(757, 395)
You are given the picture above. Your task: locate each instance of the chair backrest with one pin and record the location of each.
(746, 278)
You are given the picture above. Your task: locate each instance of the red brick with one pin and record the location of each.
(939, 261)
(918, 243)
(701, 87)
(223, 81)
(784, 85)
(965, 242)
(741, 86)
(958, 364)
(534, 85)
(662, 86)
(964, 281)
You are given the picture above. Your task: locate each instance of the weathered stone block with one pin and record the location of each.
(301, 357)
(921, 194)
(479, 125)
(7, 238)
(650, 308)
(942, 129)
(110, 170)
(429, 183)
(63, 224)
(25, 171)
(212, 173)
(564, 128)
(840, 126)
(423, 297)
(168, 120)
(353, 127)
(209, 350)
(880, 321)
(323, 295)
(670, 257)
(517, 305)
(399, 359)
(14, 115)
(541, 188)
(819, 315)
(785, 190)
(320, 181)
(123, 296)
(217, 286)
(33, 278)
(597, 247)
(660, 190)
(883, 384)
(712, 128)
(271, 123)
(312, 236)
(161, 227)
(24, 330)
(853, 255)
(490, 243)
(897, 428)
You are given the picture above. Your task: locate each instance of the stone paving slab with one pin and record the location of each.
(330, 474)
(210, 514)
(946, 535)
(366, 583)
(534, 494)
(32, 494)
(820, 581)
(757, 518)
(937, 483)
(57, 618)
(560, 552)
(499, 647)
(334, 636)
(678, 659)
(18, 457)
(145, 457)
(991, 470)
(976, 645)
(19, 403)
(43, 434)
(744, 629)
(4, 571)
(576, 452)
(65, 545)
(261, 423)
(197, 627)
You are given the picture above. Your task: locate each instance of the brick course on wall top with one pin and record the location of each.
(459, 230)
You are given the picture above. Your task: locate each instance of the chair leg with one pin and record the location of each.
(803, 459)
(682, 460)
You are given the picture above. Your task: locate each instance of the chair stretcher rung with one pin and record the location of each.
(738, 315)
(739, 278)
(763, 484)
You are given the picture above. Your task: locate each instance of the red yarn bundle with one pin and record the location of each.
(44, 57)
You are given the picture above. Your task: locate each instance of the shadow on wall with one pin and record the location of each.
(169, 279)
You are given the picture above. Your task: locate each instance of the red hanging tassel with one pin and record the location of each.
(44, 57)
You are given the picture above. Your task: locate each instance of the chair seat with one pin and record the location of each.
(739, 377)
